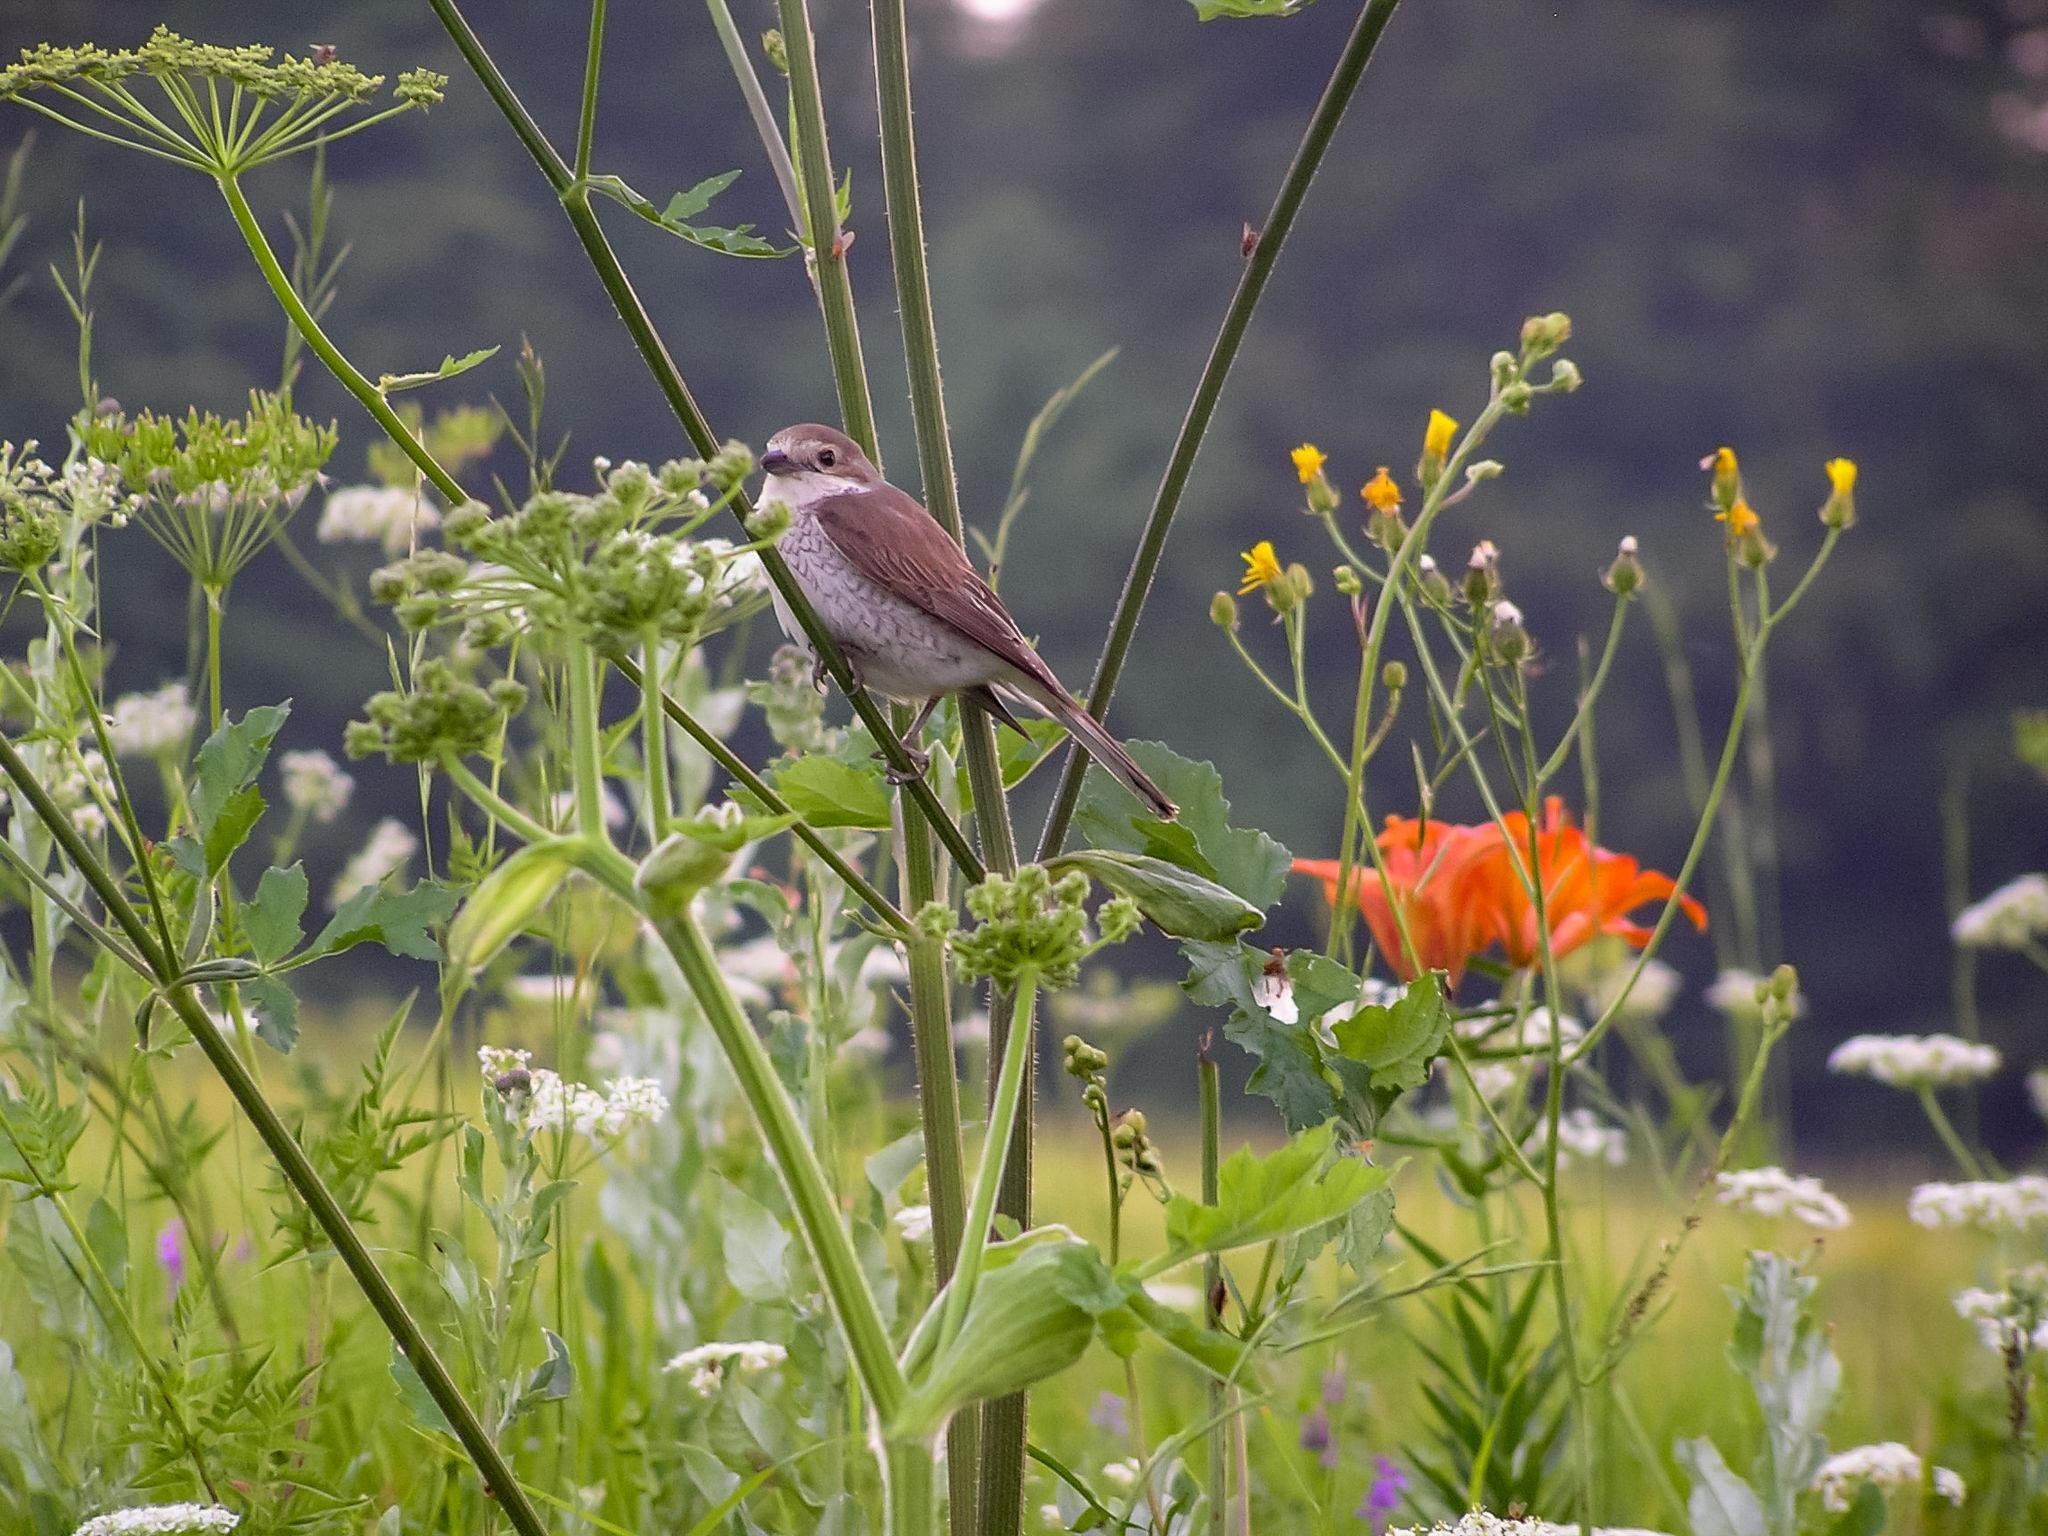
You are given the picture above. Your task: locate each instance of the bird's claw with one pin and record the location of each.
(910, 773)
(819, 672)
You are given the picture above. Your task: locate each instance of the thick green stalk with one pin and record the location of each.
(587, 751)
(910, 1509)
(654, 738)
(297, 1168)
(826, 244)
(351, 379)
(655, 354)
(803, 1180)
(1212, 1280)
(1258, 268)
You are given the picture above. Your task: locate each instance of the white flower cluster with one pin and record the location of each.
(1914, 1061)
(1480, 1523)
(1887, 1464)
(1650, 998)
(149, 724)
(375, 514)
(709, 1364)
(161, 1520)
(2009, 1205)
(1122, 1474)
(546, 1102)
(1774, 1192)
(2016, 1315)
(1582, 1137)
(315, 784)
(2011, 917)
(389, 850)
(70, 778)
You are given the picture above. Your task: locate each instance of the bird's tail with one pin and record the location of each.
(1096, 741)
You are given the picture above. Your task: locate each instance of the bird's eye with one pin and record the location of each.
(827, 458)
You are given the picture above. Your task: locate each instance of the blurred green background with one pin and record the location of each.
(1802, 230)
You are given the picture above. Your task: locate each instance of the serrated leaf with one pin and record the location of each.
(1260, 1198)
(414, 1394)
(1180, 902)
(829, 793)
(1242, 859)
(398, 920)
(1290, 1070)
(225, 804)
(1397, 1042)
(273, 917)
(277, 1012)
(675, 217)
(451, 365)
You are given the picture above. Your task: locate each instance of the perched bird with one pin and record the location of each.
(912, 616)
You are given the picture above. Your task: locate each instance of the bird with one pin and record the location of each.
(907, 609)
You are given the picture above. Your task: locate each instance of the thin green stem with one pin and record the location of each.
(291, 1159)
(492, 803)
(1945, 1129)
(1212, 1281)
(1588, 695)
(585, 743)
(351, 378)
(758, 109)
(1237, 317)
(586, 121)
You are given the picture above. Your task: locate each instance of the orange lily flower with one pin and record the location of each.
(1429, 864)
(1587, 890)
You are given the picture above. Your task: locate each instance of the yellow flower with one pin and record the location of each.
(1436, 441)
(1740, 517)
(1727, 483)
(1308, 461)
(1721, 461)
(1380, 492)
(1841, 475)
(1261, 568)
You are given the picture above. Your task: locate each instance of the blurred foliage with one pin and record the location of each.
(1798, 229)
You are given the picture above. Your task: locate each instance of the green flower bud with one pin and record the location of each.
(1223, 611)
(1347, 581)
(777, 51)
(1300, 585)
(770, 521)
(678, 868)
(1394, 676)
(1625, 575)
(1516, 397)
(1564, 377)
(730, 465)
(1509, 639)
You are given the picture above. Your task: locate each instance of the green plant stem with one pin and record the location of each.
(586, 748)
(351, 378)
(655, 354)
(803, 1179)
(291, 1159)
(911, 1507)
(586, 121)
(1237, 317)
(1957, 1147)
(765, 125)
(988, 1177)
(1589, 694)
(763, 791)
(654, 738)
(1212, 1278)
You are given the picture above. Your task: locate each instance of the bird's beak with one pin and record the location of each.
(775, 461)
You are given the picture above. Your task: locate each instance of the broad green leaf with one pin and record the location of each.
(1397, 1042)
(1721, 1503)
(507, 899)
(829, 793)
(1242, 859)
(228, 763)
(1260, 1198)
(276, 1010)
(398, 920)
(451, 365)
(273, 917)
(1180, 902)
(1290, 1070)
(755, 1245)
(1216, 1352)
(685, 206)
(414, 1394)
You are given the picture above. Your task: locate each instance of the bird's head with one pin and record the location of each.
(819, 459)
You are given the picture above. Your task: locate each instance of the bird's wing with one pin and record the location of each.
(892, 541)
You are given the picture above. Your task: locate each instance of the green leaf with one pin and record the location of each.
(225, 803)
(1242, 859)
(755, 1246)
(685, 206)
(1398, 1042)
(1290, 1070)
(1179, 901)
(732, 838)
(451, 365)
(398, 920)
(553, 1379)
(1210, 10)
(829, 793)
(1721, 1503)
(414, 1394)
(1261, 1198)
(276, 1010)
(272, 919)
(1214, 1351)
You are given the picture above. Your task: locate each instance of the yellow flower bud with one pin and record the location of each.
(1436, 440)
(1309, 461)
(1381, 493)
(1727, 477)
(1839, 510)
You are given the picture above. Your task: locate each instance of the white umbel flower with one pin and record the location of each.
(1887, 1464)
(2008, 1205)
(2014, 1317)
(161, 1520)
(1582, 1137)
(538, 1099)
(709, 1364)
(389, 849)
(1914, 1061)
(151, 724)
(1774, 1192)
(1480, 1523)
(2011, 917)
(385, 515)
(315, 784)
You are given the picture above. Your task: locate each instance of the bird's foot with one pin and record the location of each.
(915, 770)
(819, 672)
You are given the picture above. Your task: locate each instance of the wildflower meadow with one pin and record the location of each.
(645, 1074)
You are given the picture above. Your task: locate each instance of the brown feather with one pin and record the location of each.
(892, 541)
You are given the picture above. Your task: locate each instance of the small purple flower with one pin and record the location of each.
(1108, 1415)
(1315, 1430)
(1336, 1387)
(1384, 1496)
(170, 1254)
